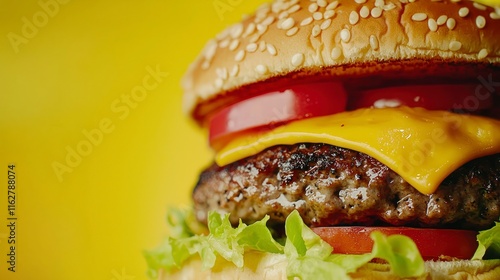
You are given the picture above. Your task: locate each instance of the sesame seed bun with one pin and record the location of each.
(289, 41)
(271, 266)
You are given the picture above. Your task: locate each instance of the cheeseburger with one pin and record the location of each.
(353, 139)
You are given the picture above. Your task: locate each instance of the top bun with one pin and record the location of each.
(341, 39)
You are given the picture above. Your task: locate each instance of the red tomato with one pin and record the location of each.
(431, 243)
(274, 108)
(461, 98)
(269, 110)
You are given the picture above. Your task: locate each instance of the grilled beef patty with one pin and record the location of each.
(330, 185)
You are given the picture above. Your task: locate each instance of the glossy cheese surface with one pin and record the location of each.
(422, 146)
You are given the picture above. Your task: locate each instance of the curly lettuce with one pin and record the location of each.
(489, 243)
(308, 256)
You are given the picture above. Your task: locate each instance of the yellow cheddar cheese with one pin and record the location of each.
(422, 146)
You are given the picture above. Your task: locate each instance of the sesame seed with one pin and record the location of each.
(297, 59)
(237, 30)
(288, 23)
(353, 17)
(313, 8)
(480, 22)
(379, 3)
(442, 20)
(250, 29)
(269, 20)
(316, 30)
(387, 103)
(494, 15)
(234, 44)
(450, 23)
(374, 42)
(326, 24)
(259, 18)
(210, 49)
(277, 7)
(240, 55)
(360, 1)
(376, 12)
(280, 22)
(479, 6)
(264, 8)
(318, 16)
(345, 35)
(364, 12)
(218, 83)
(336, 53)
(456, 1)
(223, 34)
(262, 46)
(292, 31)
(205, 65)
(252, 47)
(234, 71)
(284, 14)
(322, 3)
(255, 38)
(221, 73)
(262, 28)
(389, 6)
(271, 49)
(224, 43)
(419, 17)
(432, 25)
(463, 12)
(482, 54)
(332, 5)
(328, 14)
(261, 69)
(455, 45)
(306, 21)
(294, 8)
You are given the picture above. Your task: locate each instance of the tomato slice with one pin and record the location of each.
(274, 108)
(432, 243)
(456, 97)
(266, 111)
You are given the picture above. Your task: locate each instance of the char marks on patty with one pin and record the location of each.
(330, 185)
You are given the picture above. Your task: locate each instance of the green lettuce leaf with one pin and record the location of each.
(307, 253)
(159, 258)
(400, 252)
(258, 237)
(177, 222)
(182, 223)
(308, 256)
(222, 241)
(489, 243)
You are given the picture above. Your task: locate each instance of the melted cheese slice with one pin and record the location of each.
(422, 146)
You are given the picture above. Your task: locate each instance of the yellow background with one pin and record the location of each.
(95, 221)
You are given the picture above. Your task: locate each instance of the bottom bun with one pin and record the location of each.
(260, 265)
(438, 270)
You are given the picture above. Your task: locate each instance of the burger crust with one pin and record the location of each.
(260, 265)
(329, 186)
(293, 39)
